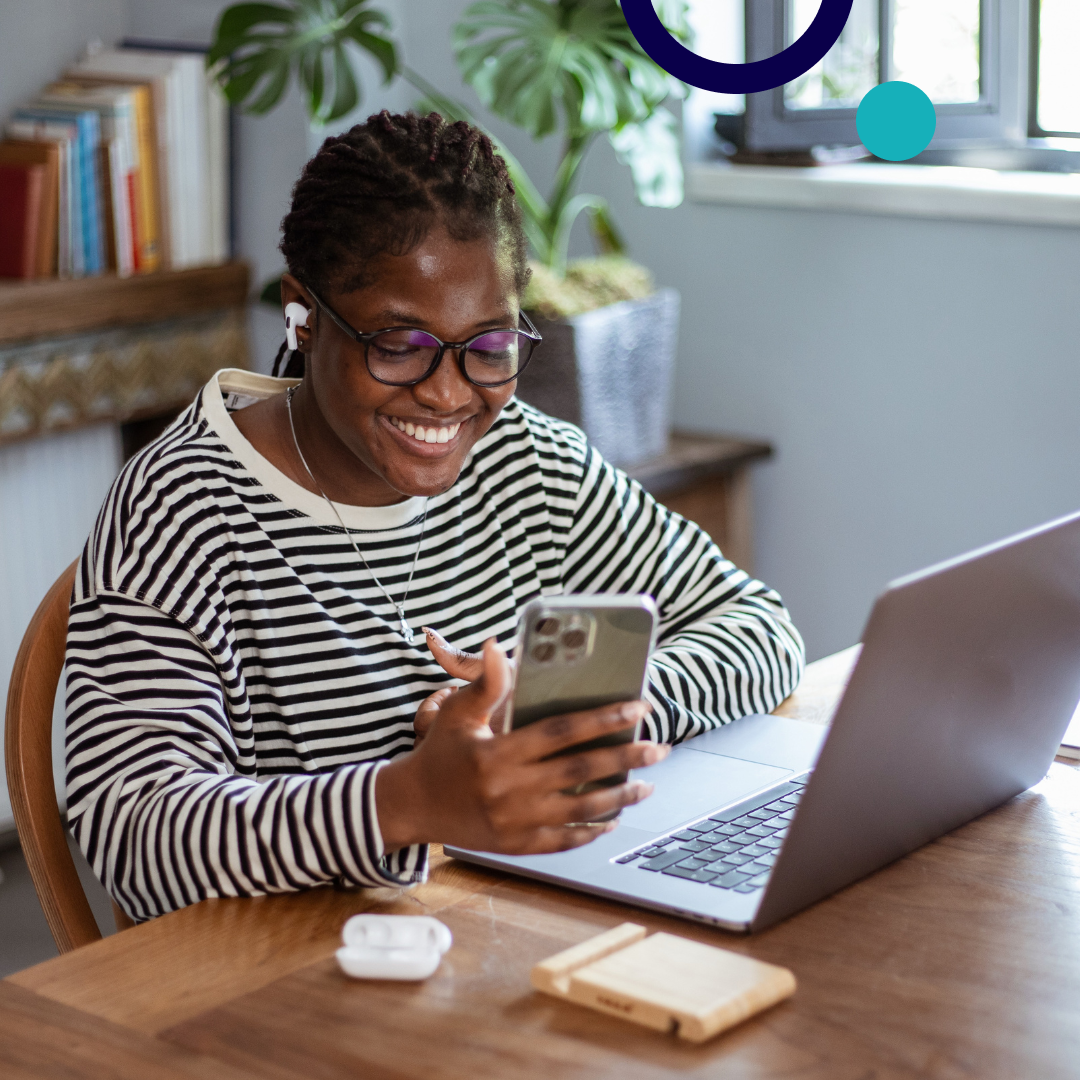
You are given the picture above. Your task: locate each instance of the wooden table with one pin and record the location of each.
(960, 962)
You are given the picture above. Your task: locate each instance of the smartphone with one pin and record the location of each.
(582, 652)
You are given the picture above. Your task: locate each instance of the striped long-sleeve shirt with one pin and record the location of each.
(235, 676)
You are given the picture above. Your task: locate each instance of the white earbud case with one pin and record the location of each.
(403, 947)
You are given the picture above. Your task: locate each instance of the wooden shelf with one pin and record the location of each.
(706, 478)
(690, 459)
(54, 308)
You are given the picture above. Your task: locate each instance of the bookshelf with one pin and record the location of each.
(109, 349)
(50, 307)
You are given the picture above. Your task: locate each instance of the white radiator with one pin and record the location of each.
(50, 492)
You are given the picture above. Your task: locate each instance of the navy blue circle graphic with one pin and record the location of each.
(797, 59)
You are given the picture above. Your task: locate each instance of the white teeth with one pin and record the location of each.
(427, 435)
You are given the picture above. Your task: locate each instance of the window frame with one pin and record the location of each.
(1001, 116)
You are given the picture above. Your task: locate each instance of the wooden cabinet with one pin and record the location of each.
(706, 478)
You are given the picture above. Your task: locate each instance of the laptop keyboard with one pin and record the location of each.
(734, 848)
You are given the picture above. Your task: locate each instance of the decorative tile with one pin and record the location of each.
(115, 375)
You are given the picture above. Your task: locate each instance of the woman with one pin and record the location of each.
(250, 709)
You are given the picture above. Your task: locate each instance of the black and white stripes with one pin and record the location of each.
(235, 677)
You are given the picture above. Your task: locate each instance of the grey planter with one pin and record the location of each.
(610, 371)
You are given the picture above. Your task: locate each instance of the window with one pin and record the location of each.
(1055, 100)
(998, 71)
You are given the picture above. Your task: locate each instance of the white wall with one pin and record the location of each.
(39, 38)
(50, 492)
(919, 379)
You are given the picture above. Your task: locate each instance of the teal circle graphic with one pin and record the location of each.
(896, 121)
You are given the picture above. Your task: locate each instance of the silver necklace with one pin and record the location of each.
(405, 629)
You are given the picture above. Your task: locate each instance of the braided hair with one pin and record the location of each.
(380, 188)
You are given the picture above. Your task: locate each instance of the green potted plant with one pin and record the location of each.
(566, 66)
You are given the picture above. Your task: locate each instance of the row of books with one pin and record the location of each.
(121, 166)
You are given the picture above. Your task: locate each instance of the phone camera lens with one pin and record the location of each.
(543, 652)
(547, 627)
(574, 639)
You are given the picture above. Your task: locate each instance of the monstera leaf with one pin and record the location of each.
(256, 47)
(651, 149)
(530, 60)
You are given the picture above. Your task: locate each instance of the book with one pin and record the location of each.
(148, 248)
(69, 253)
(85, 149)
(219, 157)
(20, 215)
(119, 250)
(114, 67)
(178, 85)
(219, 148)
(118, 162)
(46, 154)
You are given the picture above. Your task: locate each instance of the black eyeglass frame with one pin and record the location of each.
(461, 347)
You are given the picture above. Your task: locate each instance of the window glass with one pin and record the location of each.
(936, 47)
(850, 67)
(1059, 102)
(719, 34)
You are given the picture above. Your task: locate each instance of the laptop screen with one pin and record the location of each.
(1070, 744)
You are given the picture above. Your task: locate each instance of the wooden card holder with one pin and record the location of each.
(664, 982)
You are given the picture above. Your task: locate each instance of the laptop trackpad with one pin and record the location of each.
(690, 783)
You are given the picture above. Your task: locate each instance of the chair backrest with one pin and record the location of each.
(28, 753)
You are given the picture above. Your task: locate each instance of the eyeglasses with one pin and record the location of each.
(404, 356)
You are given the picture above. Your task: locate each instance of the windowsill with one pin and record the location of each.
(924, 191)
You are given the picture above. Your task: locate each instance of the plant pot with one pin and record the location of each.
(609, 371)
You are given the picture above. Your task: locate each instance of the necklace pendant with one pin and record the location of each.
(406, 629)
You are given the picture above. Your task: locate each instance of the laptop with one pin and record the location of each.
(1070, 743)
(968, 677)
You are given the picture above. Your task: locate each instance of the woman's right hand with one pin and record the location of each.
(465, 786)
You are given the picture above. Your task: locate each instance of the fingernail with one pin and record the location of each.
(643, 790)
(610, 826)
(631, 710)
(656, 753)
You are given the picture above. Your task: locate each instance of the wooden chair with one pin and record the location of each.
(28, 750)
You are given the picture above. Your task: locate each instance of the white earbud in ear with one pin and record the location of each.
(295, 315)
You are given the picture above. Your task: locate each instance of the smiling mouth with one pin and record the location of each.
(426, 434)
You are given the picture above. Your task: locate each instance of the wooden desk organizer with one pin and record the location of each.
(663, 982)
